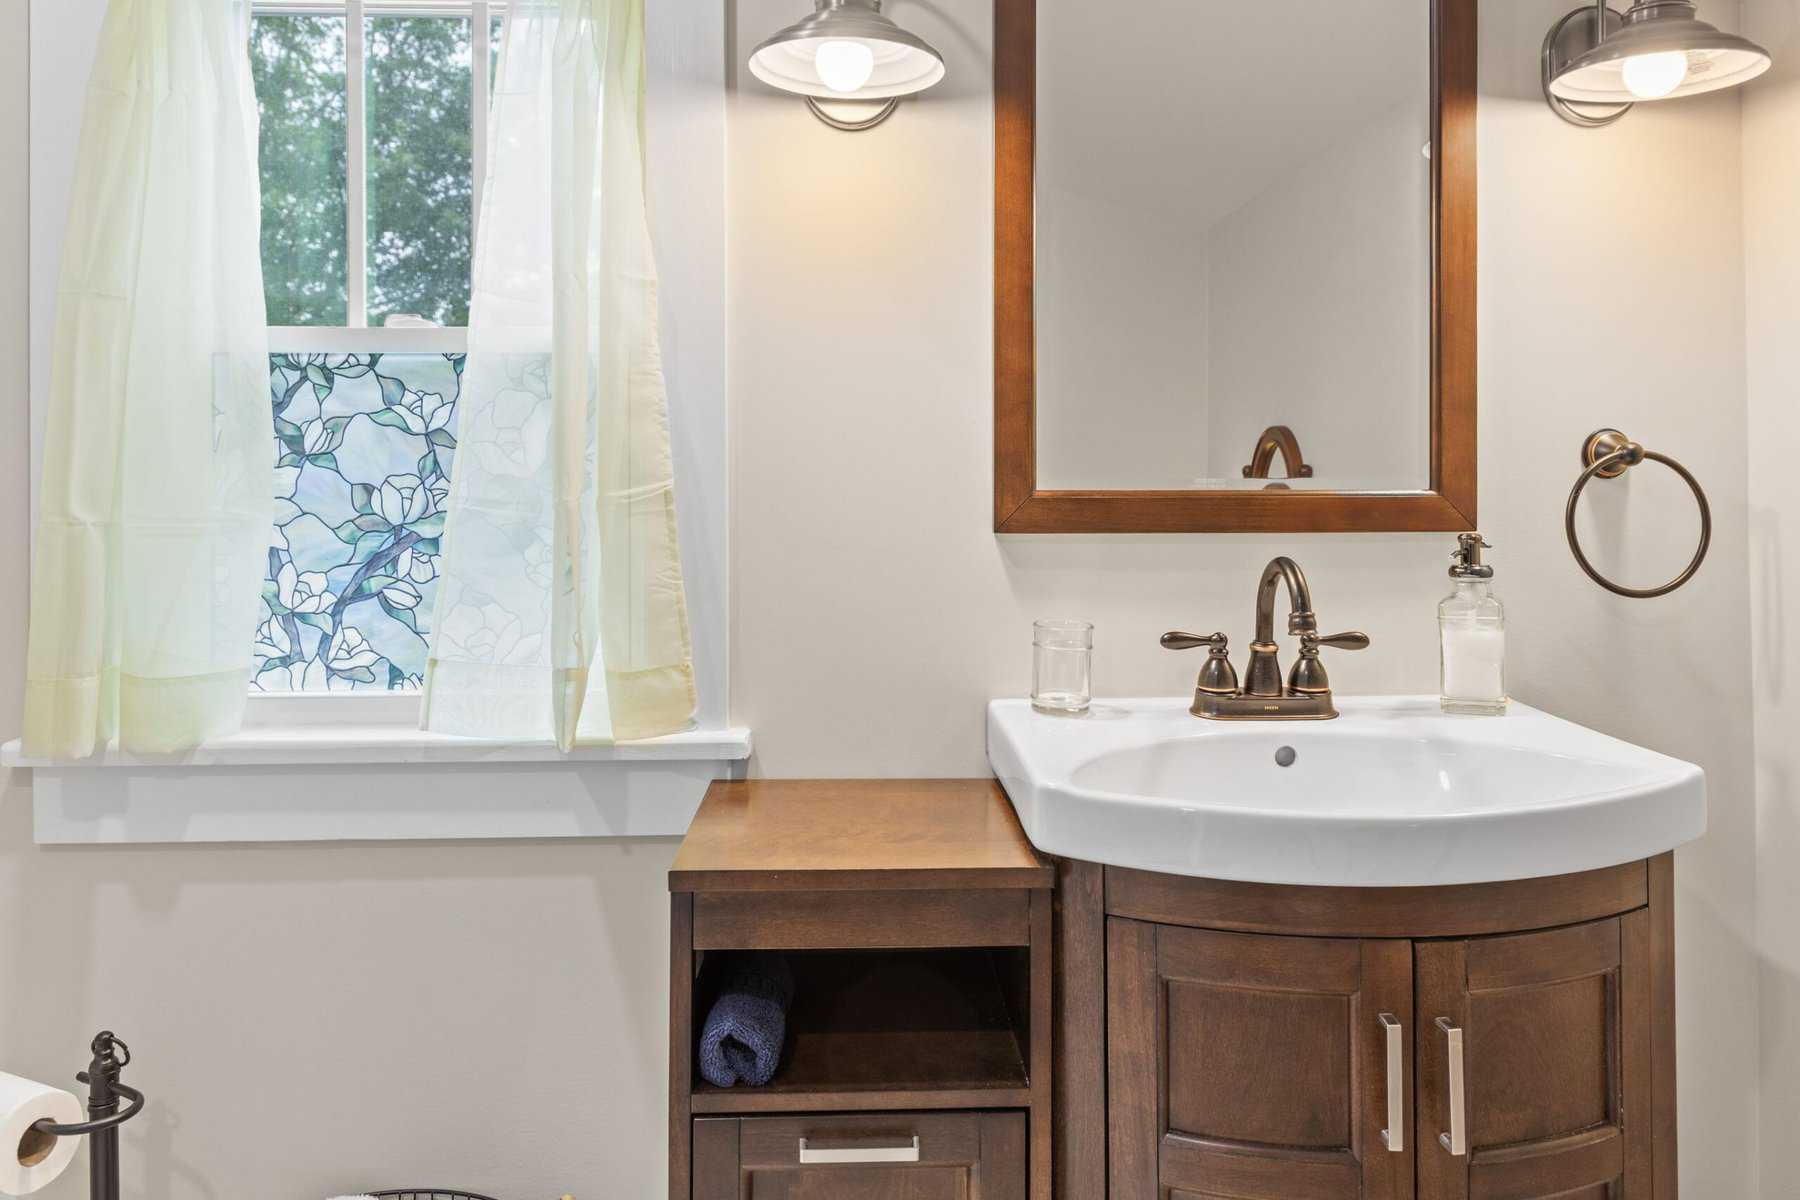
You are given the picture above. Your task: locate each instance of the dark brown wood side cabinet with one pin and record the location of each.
(1498, 1041)
(916, 920)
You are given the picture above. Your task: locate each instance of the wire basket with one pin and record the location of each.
(426, 1194)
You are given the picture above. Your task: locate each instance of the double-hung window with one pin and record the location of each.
(372, 146)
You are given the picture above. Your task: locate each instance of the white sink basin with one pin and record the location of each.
(1392, 793)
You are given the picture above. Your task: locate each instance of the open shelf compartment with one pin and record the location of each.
(889, 1029)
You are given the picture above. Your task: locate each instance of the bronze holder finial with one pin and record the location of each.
(105, 1090)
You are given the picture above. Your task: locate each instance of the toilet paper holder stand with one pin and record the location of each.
(104, 1118)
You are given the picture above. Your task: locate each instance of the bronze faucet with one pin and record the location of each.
(1307, 694)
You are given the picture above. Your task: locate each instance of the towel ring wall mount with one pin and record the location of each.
(1608, 454)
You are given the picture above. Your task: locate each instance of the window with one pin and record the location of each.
(372, 148)
(372, 130)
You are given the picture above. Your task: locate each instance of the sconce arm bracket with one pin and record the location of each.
(836, 122)
(1568, 40)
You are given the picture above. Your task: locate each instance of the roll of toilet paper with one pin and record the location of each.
(29, 1160)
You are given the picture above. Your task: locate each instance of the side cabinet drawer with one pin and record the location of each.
(918, 1156)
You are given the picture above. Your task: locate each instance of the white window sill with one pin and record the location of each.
(355, 767)
(349, 745)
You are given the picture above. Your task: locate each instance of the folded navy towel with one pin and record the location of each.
(742, 1038)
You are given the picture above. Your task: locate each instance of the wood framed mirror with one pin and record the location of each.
(1234, 266)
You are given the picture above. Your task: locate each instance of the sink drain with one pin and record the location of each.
(1285, 756)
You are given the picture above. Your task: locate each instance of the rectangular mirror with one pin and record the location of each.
(1235, 266)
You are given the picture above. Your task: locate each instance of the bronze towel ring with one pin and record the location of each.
(1609, 454)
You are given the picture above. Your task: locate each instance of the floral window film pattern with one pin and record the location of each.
(363, 447)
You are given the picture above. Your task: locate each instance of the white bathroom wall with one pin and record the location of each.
(14, 531)
(1611, 295)
(874, 612)
(1772, 258)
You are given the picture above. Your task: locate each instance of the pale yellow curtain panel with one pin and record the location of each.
(154, 511)
(561, 611)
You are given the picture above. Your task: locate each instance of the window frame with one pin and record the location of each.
(357, 335)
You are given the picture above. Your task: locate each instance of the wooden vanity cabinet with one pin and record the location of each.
(1264, 1043)
(915, 919)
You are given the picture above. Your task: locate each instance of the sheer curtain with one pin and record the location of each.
(154, 511)
(561, 612)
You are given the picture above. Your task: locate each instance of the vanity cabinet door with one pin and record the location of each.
(1534, 1062)
(1257, 1067)
(887, 1156)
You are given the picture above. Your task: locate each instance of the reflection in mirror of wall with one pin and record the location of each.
(1233, 234)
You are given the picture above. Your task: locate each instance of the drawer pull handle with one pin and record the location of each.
(860, 1154)
(1394, 1136)
(1457, 1140)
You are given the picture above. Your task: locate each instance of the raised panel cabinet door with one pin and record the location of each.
(1534, 1064)
(1255, 1067)
(891, 1156)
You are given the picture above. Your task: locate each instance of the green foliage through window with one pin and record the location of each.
(420, 168)
(418, 97)
(297, 63)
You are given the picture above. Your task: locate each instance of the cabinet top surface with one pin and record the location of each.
(799, 835)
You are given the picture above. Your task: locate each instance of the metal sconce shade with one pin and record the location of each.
(897, 63)
(1581, 68)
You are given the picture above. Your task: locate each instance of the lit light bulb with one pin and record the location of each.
(844, 66)
(1653, 76)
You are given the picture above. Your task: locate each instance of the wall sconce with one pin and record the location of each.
(847, 50)
(1657, 50)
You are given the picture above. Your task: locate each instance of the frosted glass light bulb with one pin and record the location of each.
(1653, 76)
(844, 66)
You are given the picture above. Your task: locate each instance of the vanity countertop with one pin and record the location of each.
(771, 835)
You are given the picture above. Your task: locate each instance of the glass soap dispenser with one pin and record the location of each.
(1472, 634)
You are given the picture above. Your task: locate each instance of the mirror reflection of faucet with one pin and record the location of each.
(1278, 439)
(1306, 696)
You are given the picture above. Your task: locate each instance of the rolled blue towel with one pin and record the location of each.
(743, 1035)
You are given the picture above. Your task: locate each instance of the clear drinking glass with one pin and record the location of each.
(1062, 659)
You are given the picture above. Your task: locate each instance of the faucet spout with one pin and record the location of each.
(1300, 611)
(1263, 679)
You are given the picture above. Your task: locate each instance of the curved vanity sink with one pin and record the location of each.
(1392, 793)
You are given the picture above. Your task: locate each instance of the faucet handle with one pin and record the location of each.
(1308, 675)
(1193, 641)
(1340, 641)
(1217, 675)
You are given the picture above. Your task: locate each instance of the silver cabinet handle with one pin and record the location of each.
(871, 1154)
(1394, 1136)
(1457, 1140)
